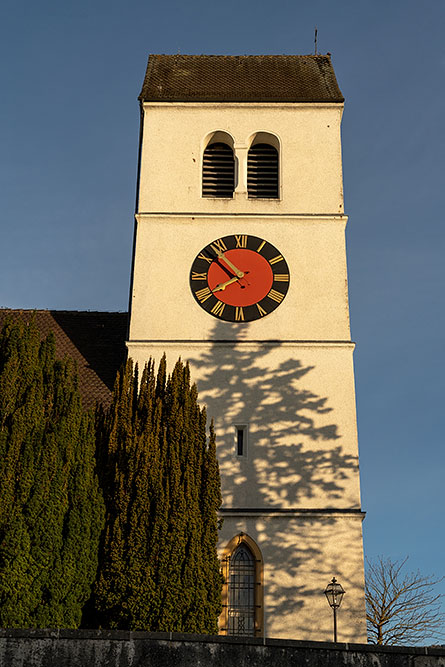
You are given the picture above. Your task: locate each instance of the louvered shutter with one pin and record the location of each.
(218, 171)
(262, 172)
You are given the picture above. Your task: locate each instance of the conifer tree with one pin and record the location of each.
(159, 568)
(51, 510)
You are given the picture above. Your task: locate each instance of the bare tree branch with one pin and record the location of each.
(401, 608)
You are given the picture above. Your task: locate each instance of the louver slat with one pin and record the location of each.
(262, 172)
(218, 171)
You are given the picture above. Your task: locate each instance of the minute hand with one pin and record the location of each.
(238, 273)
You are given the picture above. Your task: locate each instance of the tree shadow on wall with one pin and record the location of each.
(310, 552)
(297, 459)
(295, 452)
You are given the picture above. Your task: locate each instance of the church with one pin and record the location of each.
(239, 267)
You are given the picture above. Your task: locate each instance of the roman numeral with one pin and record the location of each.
(274, 260)
(241, 241)
(207, 259)
(219, 246)
(261, 311)
(281, 277)
(218, 308)
(275, 296)
(203, 294)
(199, 276)
(239, 314)
(261, 246)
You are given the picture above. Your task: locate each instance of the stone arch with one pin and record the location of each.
(226, 624)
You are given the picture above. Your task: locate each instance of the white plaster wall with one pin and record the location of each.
(310, 156)
(316, 305)
(296, 394)
(299, 402)
(301, 554)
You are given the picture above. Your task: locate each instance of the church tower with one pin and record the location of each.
(239, 267)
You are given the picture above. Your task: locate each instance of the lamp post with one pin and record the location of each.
(334, 593)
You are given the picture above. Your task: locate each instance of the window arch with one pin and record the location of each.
(263, 167)
(218, 169)
(242, 590)
(241, 593)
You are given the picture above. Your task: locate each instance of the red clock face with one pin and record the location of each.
(239, 278)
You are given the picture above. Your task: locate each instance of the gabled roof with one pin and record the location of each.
(181, 78)
(96, 341)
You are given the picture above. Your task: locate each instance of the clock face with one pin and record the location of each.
(239, 278)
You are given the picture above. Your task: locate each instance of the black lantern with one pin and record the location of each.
(334, 593)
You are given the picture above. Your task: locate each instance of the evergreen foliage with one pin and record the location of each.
(51, 510)
(159, 568)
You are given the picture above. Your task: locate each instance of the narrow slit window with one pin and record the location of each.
(262, 172)
(241, 440)
(218, 171)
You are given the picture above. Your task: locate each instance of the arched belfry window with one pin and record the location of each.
(262, 171)
(242, 594)
(218, 170)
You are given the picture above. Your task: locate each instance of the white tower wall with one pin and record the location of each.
(289, 376)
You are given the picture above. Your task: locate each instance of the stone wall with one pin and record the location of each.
(95, 648)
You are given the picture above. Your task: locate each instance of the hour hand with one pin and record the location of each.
(222, 286)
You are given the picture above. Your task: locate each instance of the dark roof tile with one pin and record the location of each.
(95, 340)
(181, 78)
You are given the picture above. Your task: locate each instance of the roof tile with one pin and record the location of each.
(184, 78)
(95, 340)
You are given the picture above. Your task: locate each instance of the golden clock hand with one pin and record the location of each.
(238, 273)
(223, 286)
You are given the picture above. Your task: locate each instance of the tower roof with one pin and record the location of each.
(181, 78)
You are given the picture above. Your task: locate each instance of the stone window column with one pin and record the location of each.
(241, 166)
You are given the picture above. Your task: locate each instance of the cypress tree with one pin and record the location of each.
(159, 569)
(51, 510)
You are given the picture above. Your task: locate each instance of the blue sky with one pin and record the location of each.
(69, 135)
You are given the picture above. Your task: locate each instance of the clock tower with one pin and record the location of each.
(239, 267)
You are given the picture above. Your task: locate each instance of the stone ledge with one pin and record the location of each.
(178, 637)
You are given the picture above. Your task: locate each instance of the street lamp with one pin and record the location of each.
(334, 593)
